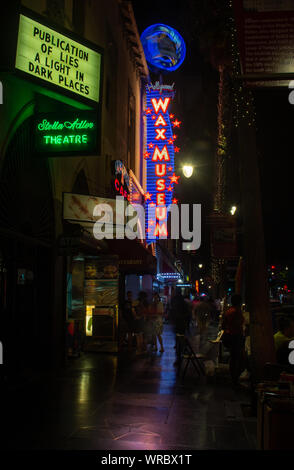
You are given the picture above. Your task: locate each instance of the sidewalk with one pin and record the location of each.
(106, 402)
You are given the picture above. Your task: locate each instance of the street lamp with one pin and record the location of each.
(200, 266)
(188, 171)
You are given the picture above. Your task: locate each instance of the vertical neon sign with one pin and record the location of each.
(160, 159)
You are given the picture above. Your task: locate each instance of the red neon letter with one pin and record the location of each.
(160, 230)
(160, 104)
(160, 185)
(160, 213)
(160, 155)
(160, 169)
(160, 199)
(160, 120)
(160, 134)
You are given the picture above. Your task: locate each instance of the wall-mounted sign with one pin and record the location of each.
(164, 47)
(121, 182)
(159, 155)
(55, 58)
(223, 236)
(72, 133)
(265, 34)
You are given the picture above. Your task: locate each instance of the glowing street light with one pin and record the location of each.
(188, 171)
(200, 266)
(233, 210)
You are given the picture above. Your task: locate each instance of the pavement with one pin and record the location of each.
(129, 402)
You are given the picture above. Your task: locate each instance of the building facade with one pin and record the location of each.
(51, 265)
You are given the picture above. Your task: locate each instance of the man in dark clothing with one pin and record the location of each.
(233, 337)
(180, 316)
(128, 316)
(179, 313)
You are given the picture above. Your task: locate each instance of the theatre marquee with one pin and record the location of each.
(55, 58)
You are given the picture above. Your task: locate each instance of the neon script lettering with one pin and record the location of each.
(56, 125)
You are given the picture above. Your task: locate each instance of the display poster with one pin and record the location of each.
(265, 30)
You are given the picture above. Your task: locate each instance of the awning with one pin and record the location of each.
(134, 258)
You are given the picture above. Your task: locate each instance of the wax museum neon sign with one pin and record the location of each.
(159, 155)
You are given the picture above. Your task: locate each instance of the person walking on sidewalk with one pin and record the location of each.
(233, 337)
(157, 311)
(141, 310)
(129, 318)
(180, 316)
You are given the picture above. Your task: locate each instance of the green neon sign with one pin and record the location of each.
(53, 57)
(66, 135)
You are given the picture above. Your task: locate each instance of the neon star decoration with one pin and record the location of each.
(176, 123)
(174, 179)
(160, 158)
(148, 196)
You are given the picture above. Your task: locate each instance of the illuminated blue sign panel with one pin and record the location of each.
(159, 155)
(164, 47)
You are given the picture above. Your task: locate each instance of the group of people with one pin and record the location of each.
(144, 321)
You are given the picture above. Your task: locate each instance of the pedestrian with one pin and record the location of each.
(129, 318)
(141, 312)
(157, 311)
(202, 313)
(233, 337)
(180, 317)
